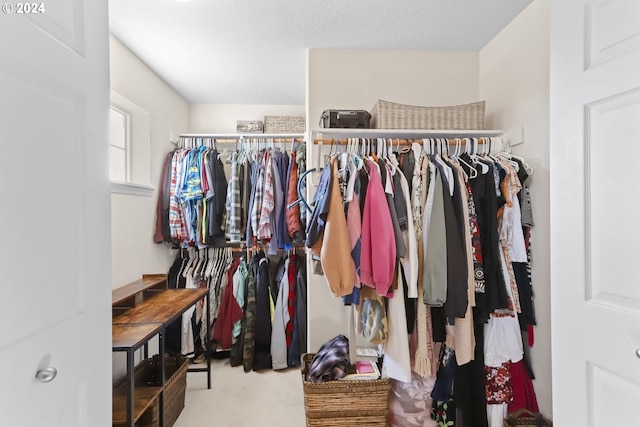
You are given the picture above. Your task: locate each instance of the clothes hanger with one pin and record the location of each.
(206, 271)
(479, 158)
(391, 156)
(190, 254)
(404, 148)
(198, 271)
(444, 142)
(355, 157)
(506, 157)
(205, 264)
(507, 152)
(228, 258)
(194, 264)
(215, 273)
(334, 145)
(453, 158)
(197, 263)
(426, 149)
(185, 259)
(242, 155)
(440, 160)
(221, 261)
(472, 170)
(493, 154)
(354, 166)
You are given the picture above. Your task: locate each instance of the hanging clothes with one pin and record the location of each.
(230, 311)
(444, 254)
(200, 206)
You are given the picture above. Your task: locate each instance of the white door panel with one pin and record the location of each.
(595, 132)
(55, 286)
(611, 29)
(64, 22)
(46, 122)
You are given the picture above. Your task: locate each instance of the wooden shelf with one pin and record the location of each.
(145, 397)
(131, 337)
(140, 311)
(128, 296)
(162, 307)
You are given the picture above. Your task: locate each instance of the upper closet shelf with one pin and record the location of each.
(245, 135)
(404, 133)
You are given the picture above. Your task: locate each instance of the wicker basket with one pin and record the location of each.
(526, 418)
(345, 403)
(284, 124)
(390, 115)
(175, 385)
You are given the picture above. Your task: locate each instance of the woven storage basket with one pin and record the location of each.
(525, 418)
(344, 403)
(175, 385)
(284, 124)
(390, 115)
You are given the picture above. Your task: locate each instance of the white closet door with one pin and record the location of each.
(595, 203)
(55, 214)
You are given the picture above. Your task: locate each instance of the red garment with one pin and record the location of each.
(498, 384)
(524, 396)
(230, 312)
(292, 300)
(293, 214)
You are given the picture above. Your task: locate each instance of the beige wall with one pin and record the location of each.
(355, 79)
(221, 118)
(133, 217)
(514, 80)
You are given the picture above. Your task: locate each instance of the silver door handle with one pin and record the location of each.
(46, 375)
(638, 353)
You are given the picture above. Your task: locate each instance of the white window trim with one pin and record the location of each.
(127, 144)
(139, 149)
(131, 189)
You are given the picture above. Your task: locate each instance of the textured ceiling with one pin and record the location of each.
(253, 51)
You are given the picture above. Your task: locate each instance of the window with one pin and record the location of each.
(120, 141)
(130, 149)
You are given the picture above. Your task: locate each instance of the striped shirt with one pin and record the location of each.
(176, 220)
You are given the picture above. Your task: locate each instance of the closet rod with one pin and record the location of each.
(236, 136)
(397, 141)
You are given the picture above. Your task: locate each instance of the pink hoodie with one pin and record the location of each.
(377, 263)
